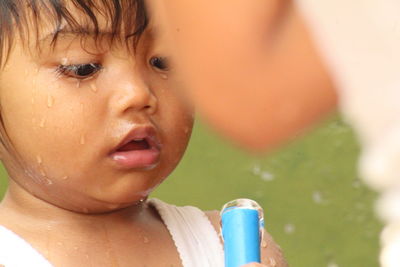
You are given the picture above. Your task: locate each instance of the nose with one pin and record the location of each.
(133, 94)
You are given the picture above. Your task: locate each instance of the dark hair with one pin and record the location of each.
(127, 19)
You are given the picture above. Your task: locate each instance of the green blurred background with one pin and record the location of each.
(316, 208)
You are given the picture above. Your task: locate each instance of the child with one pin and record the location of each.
(90, 126)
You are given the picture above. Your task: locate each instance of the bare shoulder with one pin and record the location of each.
(271, 253)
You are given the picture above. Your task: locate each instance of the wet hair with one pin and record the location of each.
(126, 20)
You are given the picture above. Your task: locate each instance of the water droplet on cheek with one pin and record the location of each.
(164, 76)
(83, 140)
(93, 87)
(50, 101)
(65, 178)
(42, 123)
(42, 172)
(78, 84)
(64, 61)
(49, 182)
(146, 240)
(39, 159)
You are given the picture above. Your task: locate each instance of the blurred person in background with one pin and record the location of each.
(263, 71)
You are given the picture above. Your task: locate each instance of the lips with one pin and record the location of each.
(140, 149)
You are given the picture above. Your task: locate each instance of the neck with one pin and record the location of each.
(19, 206)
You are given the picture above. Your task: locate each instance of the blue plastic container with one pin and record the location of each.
(242, 224)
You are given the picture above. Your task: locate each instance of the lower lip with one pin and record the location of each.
(137, 159)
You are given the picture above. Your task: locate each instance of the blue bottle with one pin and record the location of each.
(242, 222)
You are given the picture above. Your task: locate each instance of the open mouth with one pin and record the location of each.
(137, 144)
(139, 149)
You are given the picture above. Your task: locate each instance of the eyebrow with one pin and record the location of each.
(62, 32)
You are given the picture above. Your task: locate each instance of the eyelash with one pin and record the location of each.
(160, 63)
(73, 69)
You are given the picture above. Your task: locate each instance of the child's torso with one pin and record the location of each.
(194, 243)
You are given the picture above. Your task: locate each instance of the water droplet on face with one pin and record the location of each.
(65, 178)
(78, 84)
(64, 61)
(146, 240)
(266, 176)
(42, 172)
(164, 76)
(42, 123)
(49, 182)
(93, 87)
(50, 101)
(289, 228)
(39, 159)
(82, 141)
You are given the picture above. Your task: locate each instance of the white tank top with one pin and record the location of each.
(197, 241)
(195, 238)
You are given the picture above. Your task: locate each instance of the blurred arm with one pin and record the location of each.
(249, 66)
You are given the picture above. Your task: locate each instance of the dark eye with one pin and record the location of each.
(79, 71)
(159, 63)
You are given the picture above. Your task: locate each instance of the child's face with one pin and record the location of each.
(95, 127)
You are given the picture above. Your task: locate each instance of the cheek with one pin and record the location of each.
(46, 123)
(175, 122)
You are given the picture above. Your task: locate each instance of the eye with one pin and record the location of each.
(79, 71)
(159, 63)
